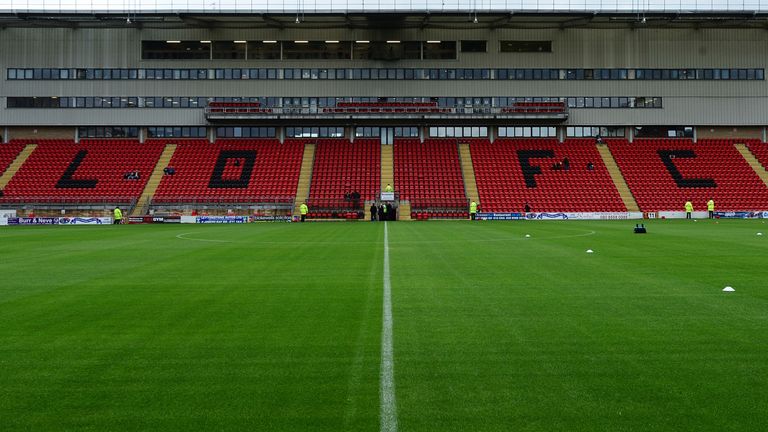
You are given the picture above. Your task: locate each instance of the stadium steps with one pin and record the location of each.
(468, 172)
(387, 166)
(618, 178)
(305, 177)
(751, 160)
(142, 205)
(13, 168)
(404, 211)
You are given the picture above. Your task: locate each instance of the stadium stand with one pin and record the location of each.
(86, 172)
(664, 173)
(340, 169)
(8, 153)
(232, 170)
(759, 149)
(428, 174)
(505, 185)
(445, 119)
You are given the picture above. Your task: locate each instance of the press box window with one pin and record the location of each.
(445, 50)
(380, 50)
(186, 50)
(228, 50)
(525, 46)
(316, 50)
(263, 51)
(473, 46)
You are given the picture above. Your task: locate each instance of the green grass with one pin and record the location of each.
(277, 327)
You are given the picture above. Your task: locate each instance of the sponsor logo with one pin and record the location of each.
(39, 221)
(221, 219)
(59, 221)
(499, 216)
(547, 216)
(740, 215)
(83, 221)
(154, 219)
(270, 218)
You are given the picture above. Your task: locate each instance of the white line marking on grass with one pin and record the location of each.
(387, 378)
(182, 236)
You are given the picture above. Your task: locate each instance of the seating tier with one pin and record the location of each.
(503, 187)
(429, 175)
(664, 173)
(233, 170)
(341, 168)
(89, 171)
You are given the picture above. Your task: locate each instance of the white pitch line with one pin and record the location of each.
(388, 411)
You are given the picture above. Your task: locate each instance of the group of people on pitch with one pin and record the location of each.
(710, 209)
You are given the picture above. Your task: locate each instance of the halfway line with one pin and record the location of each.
(387, 379)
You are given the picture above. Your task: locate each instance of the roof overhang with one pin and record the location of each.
(383, 20)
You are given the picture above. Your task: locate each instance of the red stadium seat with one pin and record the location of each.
(737, 186)
(502, 186)
(429, 175)
(104, 161)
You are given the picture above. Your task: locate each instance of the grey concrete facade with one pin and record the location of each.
(685, 102)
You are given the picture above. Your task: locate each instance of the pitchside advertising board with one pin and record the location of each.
(154, 219)
(59, 221)
(718, 214)
(621, 215)
(561, 216)
(5, 214)
(221, 219)
(499, 216)
(742, 215)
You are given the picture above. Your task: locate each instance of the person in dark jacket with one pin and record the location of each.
(390, 212)
(374, 210)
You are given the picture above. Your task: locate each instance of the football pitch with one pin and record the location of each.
(285, 327)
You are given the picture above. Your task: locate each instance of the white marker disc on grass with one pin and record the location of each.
(728, 289)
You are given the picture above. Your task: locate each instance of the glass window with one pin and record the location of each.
(228, 50)
(473, 46)
(185, 50)
(258, 50)
(511, 46)
(316, 50)
(444, 50)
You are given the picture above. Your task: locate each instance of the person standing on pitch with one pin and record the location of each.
(711, 208)
(472, 210)
(374, 210)
(303, 209)
(688, 209)
(118, 216)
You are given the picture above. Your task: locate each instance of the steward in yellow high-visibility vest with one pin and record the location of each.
(389, 188)
(303, 209)
(472, 210)
(688, 209)
(118, 216)
(711, 209)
